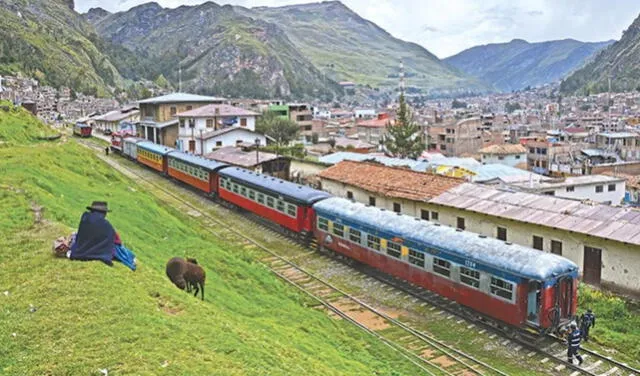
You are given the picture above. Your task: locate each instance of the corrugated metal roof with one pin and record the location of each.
(155, 148)
(603, 221)
(208, 164)
(511, 258)
(180, 97)
(299, 193)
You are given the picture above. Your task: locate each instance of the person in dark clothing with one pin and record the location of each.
(587, 321)
(96, 237)
(106, 151)
(573, 342)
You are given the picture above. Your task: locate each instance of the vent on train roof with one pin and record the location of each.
(482, 236)
(508, 243)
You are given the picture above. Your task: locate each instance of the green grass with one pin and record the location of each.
(18, 126)
(90, 316)
(617, 322)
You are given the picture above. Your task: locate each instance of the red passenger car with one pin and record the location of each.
(198, 172)
(287, 204)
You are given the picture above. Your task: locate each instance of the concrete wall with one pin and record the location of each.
(620, 262)
(582, 192)
(508, 160)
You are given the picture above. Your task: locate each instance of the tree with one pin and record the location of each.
(403, 139)
(161, 81)
(458, 104)
(511, 107)
(281, 129)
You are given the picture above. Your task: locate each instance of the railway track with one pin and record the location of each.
(433, 356)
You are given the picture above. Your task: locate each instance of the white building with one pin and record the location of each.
(217, 125)
(364, 113)
(597, 188)
(507, 154)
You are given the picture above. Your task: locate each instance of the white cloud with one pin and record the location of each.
(446, 27)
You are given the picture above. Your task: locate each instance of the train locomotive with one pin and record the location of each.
(515, 286)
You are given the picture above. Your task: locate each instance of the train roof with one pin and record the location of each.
(82, 125)
(205, 163)
(294, 191)
(155, 148)
(133, 140)
(511, 258)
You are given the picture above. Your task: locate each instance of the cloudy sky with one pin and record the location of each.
(446, 27)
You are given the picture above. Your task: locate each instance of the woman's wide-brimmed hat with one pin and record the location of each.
(99, 206)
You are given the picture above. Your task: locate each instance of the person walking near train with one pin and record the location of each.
(573, 343)
(587, 321)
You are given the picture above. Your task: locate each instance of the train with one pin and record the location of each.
(82, 130)
(514, 286)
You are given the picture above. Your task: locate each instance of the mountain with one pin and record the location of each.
(345, 46)
(220, 51)
(48, 40)
(518, 64)
(620, 62)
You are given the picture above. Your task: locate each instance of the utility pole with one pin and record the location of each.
(180, 79)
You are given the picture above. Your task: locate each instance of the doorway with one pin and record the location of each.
(592, 269)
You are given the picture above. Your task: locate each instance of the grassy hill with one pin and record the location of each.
(88, 316)
(619, 62)
(518, 64)
(18, 126)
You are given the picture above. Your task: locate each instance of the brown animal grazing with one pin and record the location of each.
(186, 274)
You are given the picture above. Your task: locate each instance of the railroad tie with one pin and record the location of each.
(532, 353)
(492, 336)
(483, 331)
(593, 366)
(560, 367)
(610, 372)
(518, 348)
(544, 360)
(505, 342)
(576, 373)
(470, 326)
(459, 321)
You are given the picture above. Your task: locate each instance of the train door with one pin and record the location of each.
(592, 265)
(564, 297)
(533, 302)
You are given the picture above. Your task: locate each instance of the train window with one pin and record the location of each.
(323, 224)
(355, 235)
(243, 191)
(261, 198)
(236, 188)
(394, 249)
(416, 258)
(280, 206)
(292, 210)
(271, 202)
(442, 267)
(470, 277)
(252, 194)
(501, 288)
(373, 242)
(338, 230)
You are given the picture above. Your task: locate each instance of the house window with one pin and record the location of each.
(442, 267)
(350, 195)
(209, 123)
(460, 223)
(373, 242)
(571, 189)
(501, 158)
(372, 201)
(501, 288)
(424, 214)
(502, 233)
(556, 247)
(611, 188)
(218, 143)
(243, 122)
(189, 108)
(538, 242)
(238, 142)
(599, 188)
(397, 207)
(181, 123)
(517, 156)
(416, 258)
(435, 216)
(470, 277)
(172, 110)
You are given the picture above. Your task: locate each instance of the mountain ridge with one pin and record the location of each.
(619, 62)
(517, 64)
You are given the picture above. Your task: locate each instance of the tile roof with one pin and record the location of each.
(223, 110)
(602, 221)
(504, 149)
(180, 97)
(390, 181)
